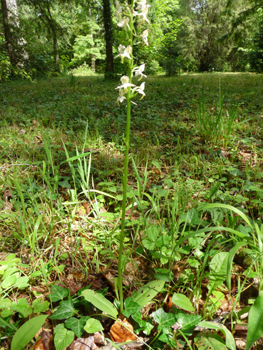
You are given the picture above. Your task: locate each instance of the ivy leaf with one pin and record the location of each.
(187, 322)
(165, 320)
(63, 337)
(93, 326)
(65, 310)
(146, 327)
(130, 307)
(77, 324)
(58, 293)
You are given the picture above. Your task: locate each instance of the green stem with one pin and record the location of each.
(125, 175)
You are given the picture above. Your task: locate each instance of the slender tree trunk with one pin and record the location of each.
(109, 70)
(93, 60)
(15, 42)
(8, 34)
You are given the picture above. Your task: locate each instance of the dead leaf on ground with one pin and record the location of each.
(122, 331)
(84, 344)
(45, 342)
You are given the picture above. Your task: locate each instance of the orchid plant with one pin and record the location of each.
(126, 15)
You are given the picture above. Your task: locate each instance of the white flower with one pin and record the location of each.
(124, 52)
(121, 97)
(143, 7)
(125, 83)
(139, 71)
(139, 89)
(144, 36)
(124, 23)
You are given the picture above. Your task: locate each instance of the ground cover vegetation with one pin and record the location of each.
(125, 222)
(193, 212)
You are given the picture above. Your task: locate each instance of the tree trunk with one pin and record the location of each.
(109, 69)
(15, 41)
(93, 60)
(8, 35)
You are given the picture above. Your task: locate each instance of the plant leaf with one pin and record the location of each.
(77, 324)
(93, 326)
(230, 341)
(65, 310)
(58, 293)
(231, 255)
(130, 307)
(182, 301)
(255, 321)
(27, 332)
(187, 322)
(99, 301)
(63, 337)
(165, 320)
(145, 294)
(209, 341)
(218, 269)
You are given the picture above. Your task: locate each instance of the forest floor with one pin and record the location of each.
(193, 218)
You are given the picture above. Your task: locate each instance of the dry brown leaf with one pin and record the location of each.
(45, 342)
(122, 331)
(84, 344)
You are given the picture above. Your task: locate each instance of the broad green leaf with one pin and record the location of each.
(130, 307)
(93, 326)
(65, 310)
(77, 324)
(230, 341)
(152, 235)
(165, 320)
(40, 306)
(146, 327)
(255, 321)
(231, 255)
(58, 293)
(22, 307)
(6, 312)
(209, 341)
(9, 281)
(182, 301)
(27, 332)
(218, 269)
(99, 301)
(187, 322)
(5, 303)
(145, 294)
(10, 271)
(63, 337)
(22, 283)
(164, 275)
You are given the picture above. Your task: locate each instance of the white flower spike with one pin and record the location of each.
(139, 89)
(121, 97)
(143, 7)
(139, 71)
(125, 83)
(124, 52)
(124, 23)
(144, 36)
